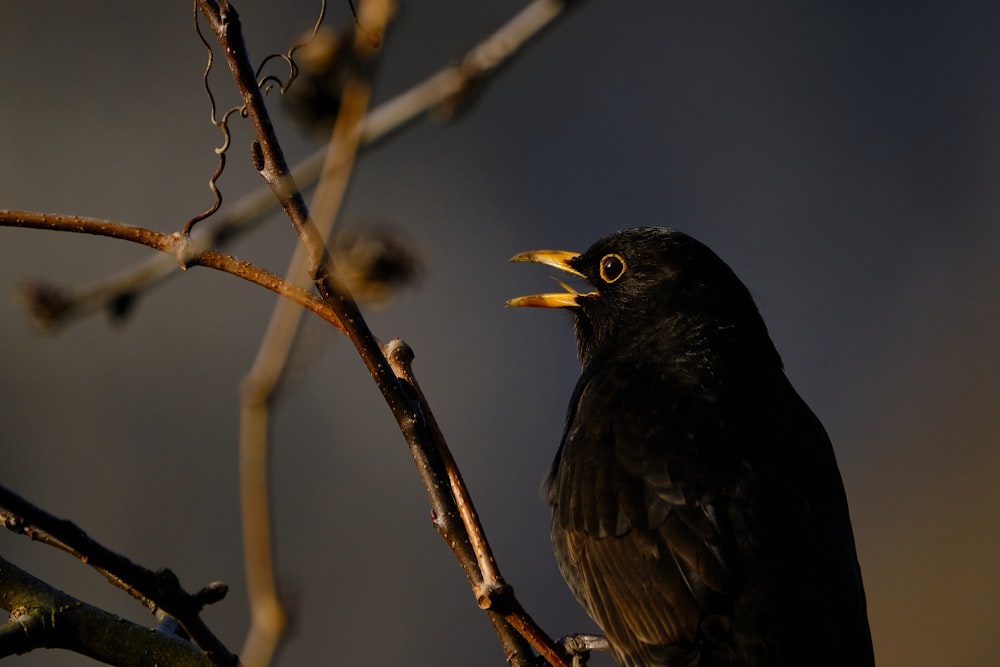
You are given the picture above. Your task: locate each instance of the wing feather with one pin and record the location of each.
(635, 534)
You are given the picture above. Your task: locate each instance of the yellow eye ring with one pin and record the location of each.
(612, 267)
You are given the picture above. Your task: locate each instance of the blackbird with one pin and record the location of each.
(698, 513)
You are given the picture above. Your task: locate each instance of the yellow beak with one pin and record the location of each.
(559, 259)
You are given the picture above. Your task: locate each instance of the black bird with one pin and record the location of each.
(698, 514)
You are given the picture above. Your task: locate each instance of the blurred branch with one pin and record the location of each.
(267, 613)
(161, 588)
(397, 388)
(447, 93)
(455, 87)
(444, 94)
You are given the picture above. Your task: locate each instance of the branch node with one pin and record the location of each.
(212, 593)
(399, 354)
(186, 251)
(495, 597)
(579, 646)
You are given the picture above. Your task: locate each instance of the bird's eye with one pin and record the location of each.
(612, 268)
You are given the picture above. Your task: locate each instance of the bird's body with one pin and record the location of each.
(698, 514)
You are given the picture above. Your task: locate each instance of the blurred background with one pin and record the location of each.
(842, 157)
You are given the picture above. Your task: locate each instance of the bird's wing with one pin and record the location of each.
(639, 530)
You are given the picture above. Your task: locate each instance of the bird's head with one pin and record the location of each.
(654, 291)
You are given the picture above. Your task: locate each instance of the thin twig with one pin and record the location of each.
(466, 536)
(16, 524)
(444, 94)
(470, 73)
(177, 247)
(273, 168)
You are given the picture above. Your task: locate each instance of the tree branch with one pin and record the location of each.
(44, 617)
(161, 587)
(454, 514)
(271, 164)
(444, 94)
(174, 245)
(460, 527)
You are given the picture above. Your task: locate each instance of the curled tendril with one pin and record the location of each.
(222, 124)
(266, 83)
(315, 30)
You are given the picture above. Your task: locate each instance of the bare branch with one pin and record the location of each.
(161, 587)
(16, 524)
(267, 612)
(225, 23)
(453, 83)
(492, 595)
(446, 94)
(176, 246)
(44, 617)
(460, 526)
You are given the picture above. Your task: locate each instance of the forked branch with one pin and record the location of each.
(454, 515)
(175, 245)
(161, 587)
(398, 392)
(444, 94)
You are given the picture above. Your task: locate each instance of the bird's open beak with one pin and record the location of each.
(560, 259)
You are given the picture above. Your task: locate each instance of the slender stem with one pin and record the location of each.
(176, 246)
(267, 613)
(466, 535)
(225, 24)
(16, 524)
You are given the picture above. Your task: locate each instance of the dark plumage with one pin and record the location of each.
(697, 510)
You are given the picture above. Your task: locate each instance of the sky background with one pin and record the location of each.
(843, 157)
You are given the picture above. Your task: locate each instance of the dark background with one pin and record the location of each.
(842, 157)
